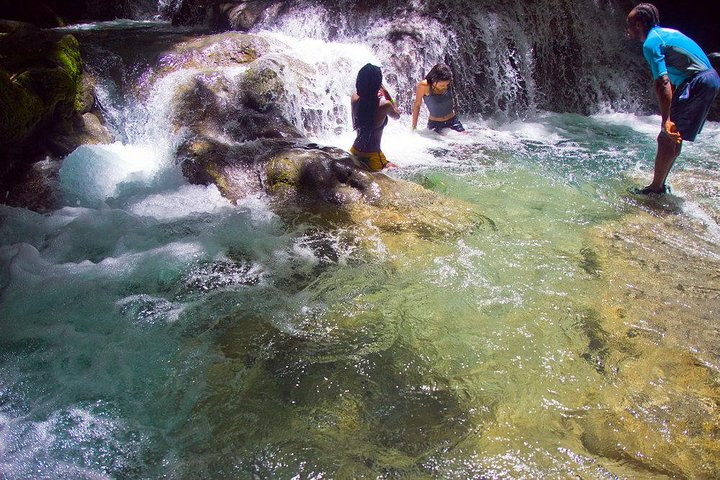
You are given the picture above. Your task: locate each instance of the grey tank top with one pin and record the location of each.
(439, 105)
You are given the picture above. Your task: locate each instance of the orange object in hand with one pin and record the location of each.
(671, 131)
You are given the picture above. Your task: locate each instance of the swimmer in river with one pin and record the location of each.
(371, 106)
(436, 90)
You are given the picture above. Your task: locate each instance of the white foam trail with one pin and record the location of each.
(92, 173)
(188, 200)
(648, 125)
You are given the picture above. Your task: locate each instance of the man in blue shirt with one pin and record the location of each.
(685, 84)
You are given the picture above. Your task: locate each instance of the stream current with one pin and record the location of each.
(152, 329)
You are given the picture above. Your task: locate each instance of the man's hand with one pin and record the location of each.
(671, 131)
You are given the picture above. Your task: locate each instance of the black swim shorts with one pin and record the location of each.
(453, 123)
(691, 102)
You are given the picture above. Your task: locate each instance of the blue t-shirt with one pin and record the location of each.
(674, 54)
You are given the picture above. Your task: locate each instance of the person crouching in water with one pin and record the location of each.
(437, 92)
(371, 106)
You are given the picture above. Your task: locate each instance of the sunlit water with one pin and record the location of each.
(151, 329)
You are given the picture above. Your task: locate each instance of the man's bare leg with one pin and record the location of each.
(668, 150)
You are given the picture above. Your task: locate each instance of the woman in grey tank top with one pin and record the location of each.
(437, 92)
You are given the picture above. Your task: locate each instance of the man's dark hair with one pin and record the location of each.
(647, 14)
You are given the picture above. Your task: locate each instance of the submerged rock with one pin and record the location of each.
(654, 333)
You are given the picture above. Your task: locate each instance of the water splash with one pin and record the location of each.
(514, 59)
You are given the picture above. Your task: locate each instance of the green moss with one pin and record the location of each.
(22, 110)
(283, 170)
(40, 81)
(67, 56)
(218, 178)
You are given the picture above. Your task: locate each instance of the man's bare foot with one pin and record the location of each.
(648, 190)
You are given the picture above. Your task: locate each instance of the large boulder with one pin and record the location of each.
(222, 15)
(40, 82)
(241, 104)
(48, 108)
(309, 181)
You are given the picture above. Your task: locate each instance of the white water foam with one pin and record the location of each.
(83, 441)
(93, 173)
(188, 200)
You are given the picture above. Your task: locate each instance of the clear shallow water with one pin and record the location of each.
(169, 333)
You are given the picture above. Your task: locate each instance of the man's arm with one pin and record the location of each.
(663, 90)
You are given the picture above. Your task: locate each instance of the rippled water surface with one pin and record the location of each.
(171, 334)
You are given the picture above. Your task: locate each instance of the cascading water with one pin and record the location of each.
(511, 57)
(151, 328)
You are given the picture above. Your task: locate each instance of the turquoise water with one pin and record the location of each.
(167, 333)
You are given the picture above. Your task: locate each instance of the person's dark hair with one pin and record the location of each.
(369, 80)
(647, 14)
(438, 73)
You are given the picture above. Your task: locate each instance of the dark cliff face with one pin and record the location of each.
(509, 57)
(54, 13)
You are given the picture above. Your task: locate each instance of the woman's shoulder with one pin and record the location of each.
(423, 87)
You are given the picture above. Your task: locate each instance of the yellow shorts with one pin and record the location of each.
(375, 161)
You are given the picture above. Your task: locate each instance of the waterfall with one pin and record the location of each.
(511, 57)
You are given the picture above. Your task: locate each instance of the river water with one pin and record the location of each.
(152, 329)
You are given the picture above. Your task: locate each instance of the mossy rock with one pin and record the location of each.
(40, 89)
(262, 87)
(203, 52)
(22, 110)
(40, 70)
(283, 171)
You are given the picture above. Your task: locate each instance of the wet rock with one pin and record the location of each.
(239, 101)
(86, 129)
(210, 51)
(220, 15)
(244, 15)
(36, 187)
(40, 74)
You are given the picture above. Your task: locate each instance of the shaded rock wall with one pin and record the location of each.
(54, 13)
(512, 57)
(40, 76)
(47, 104)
